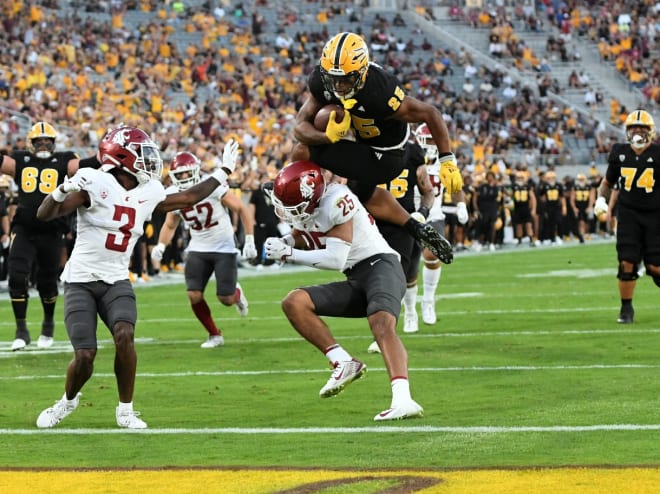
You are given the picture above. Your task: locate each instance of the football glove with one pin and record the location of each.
(600, 207)
(249, 249)
(230, 155)
(417, 216)
(158, 251)
(450, 175)
(462, 213)
(74, 184)
(337, 131)
(276, 249)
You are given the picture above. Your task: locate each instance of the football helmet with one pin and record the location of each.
(131, 150)
(344, 64)
(185, 170)
(41, 140)
(425, 140)
(581, 179)
(297, 191)
(640, 128)
(550, 177)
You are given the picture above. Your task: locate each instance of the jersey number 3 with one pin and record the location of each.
(116, 242)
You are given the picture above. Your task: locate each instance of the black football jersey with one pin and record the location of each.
(403, 186)
(35, 179)
(551, 193)
(380, 97)
(521, 195)
(582, 193)
(635, 175)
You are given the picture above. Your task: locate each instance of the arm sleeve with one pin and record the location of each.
(90, 162)
(333, 257)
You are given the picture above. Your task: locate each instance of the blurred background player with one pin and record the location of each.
(212, 247)
(523, 197)
(36, 246)
(332, 230)
(432, 269)
(632, 166)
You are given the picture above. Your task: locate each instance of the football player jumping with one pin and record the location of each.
(378, 111)
(633, 166)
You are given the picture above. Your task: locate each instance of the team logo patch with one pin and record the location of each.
(622, 158)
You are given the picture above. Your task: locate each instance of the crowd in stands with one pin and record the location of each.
(244, 77)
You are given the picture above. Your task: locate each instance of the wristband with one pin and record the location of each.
(424, 210)
(58, 195)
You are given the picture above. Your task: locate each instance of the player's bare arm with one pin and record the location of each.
(235, 204)
(170, 225)
(188, 197)
(8, 165)
(304, 131)
(51, 209)
(426, 191)
(413, 110)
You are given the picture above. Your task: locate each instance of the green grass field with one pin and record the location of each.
(526, 367)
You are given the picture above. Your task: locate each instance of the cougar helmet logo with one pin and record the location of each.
(297, 191)
(344, 64)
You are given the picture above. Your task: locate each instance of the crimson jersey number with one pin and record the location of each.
(313, 239)
(199, 217)
(126, 216)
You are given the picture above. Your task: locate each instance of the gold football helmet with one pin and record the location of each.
(640, 129)
(41, 140)
(344, 64)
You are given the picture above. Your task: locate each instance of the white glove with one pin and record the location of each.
(74, 184)
(249, 249)
(462, 213)
(158, 251)
(276, 249)
(230, 155)
(600, 207)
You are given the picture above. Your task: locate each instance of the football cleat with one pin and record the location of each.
(433, 241)
(62, 408)
(44, 341)
(408, 410)
(410, 323)
(214, 341)
(22, 340)
(428, 312)
(344, 373)
(130, 419)
(626, 315)
(242, 303)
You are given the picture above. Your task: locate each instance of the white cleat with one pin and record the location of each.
(62, 408)
(428, 313)
(408, 410)
(18, 344)
(130, 419)
(373, 348)
(410, 324)
(343, 374)
(213, 341)
(242, 304)
(45, 341)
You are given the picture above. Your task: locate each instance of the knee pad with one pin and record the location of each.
(18, 285)
(623, 276)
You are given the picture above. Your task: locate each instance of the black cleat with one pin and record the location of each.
(432, 240)
(626, 315)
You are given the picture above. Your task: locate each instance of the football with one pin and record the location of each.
(323, 115)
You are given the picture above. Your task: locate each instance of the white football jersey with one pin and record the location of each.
(109, 228)
(338, 205)
(436, 213)
(209, 223)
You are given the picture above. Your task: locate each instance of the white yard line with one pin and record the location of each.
(479, 429)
